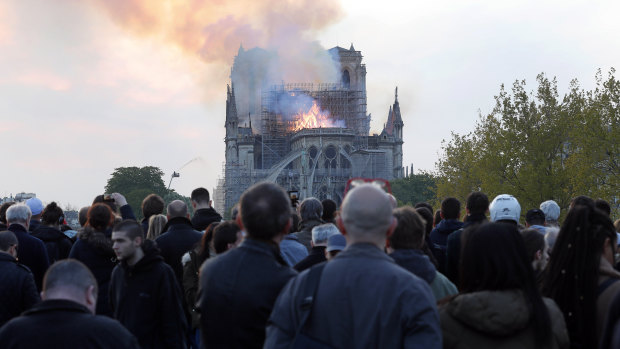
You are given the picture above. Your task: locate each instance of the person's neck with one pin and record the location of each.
(136, 257)
(25, 226)
(352, 241)
(202, 206)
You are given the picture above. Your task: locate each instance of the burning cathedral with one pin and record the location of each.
(307, 137)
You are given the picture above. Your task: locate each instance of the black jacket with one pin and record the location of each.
(31, 253)
(237, 292)
(439, 240)
(453, 250)
(146, 299)
(58, 245)
(205, 216)
(59, 323)
(316, 256)
(17, 289)
(95, 250)
(179, 238)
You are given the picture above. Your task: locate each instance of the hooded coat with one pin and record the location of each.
(58, 245)
(205, 216)
(496, 319)
(421, 266)
(147, 300)
(94, 249)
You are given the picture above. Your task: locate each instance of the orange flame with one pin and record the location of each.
(313, 118)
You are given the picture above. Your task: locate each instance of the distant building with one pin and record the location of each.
(306, 137)
(19, 197)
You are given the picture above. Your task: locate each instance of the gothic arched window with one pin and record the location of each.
(346, 79)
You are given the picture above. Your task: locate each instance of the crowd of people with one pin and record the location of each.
(367, 274)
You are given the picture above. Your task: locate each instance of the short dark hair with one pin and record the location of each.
(427, 215)
(450, 207)
(100, 199)
(582, 200)
(534, 241)
(83, 215)
(410, 231)
(424, 204)
(52, 214)
(100, 217)
(130, 227)
(7, 239)
(223, 234)
(265, 210)
(69, 273)
(535, 217)
(437, 217)
(477, 203)
(5, 206)
(200, 195)
(151, 205)
(329, 210)
(310, 208)
(205, 242)
(603, 206)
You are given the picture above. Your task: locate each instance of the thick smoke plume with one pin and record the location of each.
(214, 29)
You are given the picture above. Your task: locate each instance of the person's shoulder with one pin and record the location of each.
(23, 269)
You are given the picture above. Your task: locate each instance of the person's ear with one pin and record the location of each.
(340, 225)
(538, 255)
(194, 204)
(91, 298)
(441, 214)
(239, 222)
(137, 242)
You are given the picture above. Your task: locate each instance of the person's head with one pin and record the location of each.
(100, 217)
(410, 231)
(450, 208)
(534, 217)
(52, 215)
(18, 214)
(226, 235)
(494, 258)
(153, 204)
(36, 207)
(177, 208)
(427, 215)
(105, 199)
(505, 208)
(603, 206)
(157, 223)
(424, 204)
(70, 279)
(581, 200)
(536, 248)
(329, 210)
(437, 218)
(366, 216)
(335, 244)
(5, 206)
(310, 209)
(321, 233)
(265, 211)
(127, 238)
(206, 242)
(586, 240)
(551, 209)
(477, 203)
(8, 243)
(83, 215)
(200, 198)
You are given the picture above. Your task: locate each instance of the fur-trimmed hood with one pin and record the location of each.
(101, 241)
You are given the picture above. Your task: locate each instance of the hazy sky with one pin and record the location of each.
(90, 85)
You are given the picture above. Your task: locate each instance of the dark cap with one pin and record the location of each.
(534, 215)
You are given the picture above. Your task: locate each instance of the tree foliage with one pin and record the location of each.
(414, 189)
(537, 146)
(136, 183)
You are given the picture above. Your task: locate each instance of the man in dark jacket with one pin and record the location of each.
(310, 211)
(65, 318)
(477, 206)
(320, 235)
(17, 289)
(204, 214)
(238, 288)
(31, 251)
(363, 299)
(144, 294)
(58, 245)
(450, 212)
(179, 237)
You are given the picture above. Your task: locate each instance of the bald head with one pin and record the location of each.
(70, 279)
(367, 214)
(177, 208)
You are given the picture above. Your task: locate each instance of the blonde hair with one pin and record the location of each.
(156, 226)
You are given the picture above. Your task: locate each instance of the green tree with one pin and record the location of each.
(414, 189)
(136, 183)
(538, 147)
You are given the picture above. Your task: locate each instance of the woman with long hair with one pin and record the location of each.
(58, 245)
(499, 305)
(157, 222)
(580, 276)
(94, 249)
